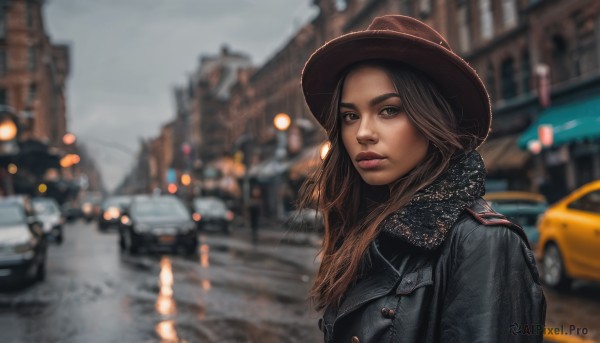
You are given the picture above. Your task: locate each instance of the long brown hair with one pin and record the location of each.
(350, 224)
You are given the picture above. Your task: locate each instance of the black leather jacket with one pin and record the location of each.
(481, 285)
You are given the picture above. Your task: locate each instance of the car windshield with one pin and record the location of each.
(159, 208)
(117, 202)
(45, 207)
(206, 205)
(11, 214)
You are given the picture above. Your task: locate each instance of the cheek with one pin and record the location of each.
(347, 139)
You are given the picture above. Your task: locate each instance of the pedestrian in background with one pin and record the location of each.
(411, 253)
(254, 208)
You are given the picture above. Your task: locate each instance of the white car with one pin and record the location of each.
(48, 213)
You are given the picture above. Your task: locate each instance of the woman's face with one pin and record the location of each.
(381, 141)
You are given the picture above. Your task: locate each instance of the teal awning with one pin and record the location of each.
(570, 122)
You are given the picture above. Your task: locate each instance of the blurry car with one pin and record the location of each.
(307, 219)
(48, 213)
(71, 211)
(22, 242)
(157, 222)
(90, 206)
(569, 244)
(210, 213)
(111, 210)
(522, 208)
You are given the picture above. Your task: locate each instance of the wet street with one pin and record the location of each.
(232, 291)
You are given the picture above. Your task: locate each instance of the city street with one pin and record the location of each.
(231, 291)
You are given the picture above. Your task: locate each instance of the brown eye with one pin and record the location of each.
(391, 111)
(349, 116)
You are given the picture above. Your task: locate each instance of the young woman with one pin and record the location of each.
(411, 252)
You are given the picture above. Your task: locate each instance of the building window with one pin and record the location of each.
(341, 5)
(3, 97)
(486, 19)
(509, 13)
(424, 8)
(464, 32)
(32, 93)
(2, 21)
(509, 88)
(559, 71)
(32, 59)
(585, 52)
(29, 15)
(3, 63)
(490, 77)
(525, 73)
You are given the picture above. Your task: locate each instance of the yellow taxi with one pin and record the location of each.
(569, 242)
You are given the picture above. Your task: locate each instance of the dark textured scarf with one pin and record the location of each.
(427, 218)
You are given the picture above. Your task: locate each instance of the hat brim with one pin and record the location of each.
(457, 81)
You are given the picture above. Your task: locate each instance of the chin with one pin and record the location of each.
(375, 180)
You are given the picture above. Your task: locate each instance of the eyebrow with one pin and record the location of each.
(373, 101)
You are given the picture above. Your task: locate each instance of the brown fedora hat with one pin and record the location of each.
(408, 41)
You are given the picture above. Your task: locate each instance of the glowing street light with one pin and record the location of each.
(42, 188)
(186, 179)
(8, 129)
(282, 121)
(69, 138)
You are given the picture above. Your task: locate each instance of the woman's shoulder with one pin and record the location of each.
(480, 225)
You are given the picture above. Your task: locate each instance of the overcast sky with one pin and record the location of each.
(127, 55)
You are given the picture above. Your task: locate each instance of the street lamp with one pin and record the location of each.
(282, 121)
(69, 138)
(8, 129)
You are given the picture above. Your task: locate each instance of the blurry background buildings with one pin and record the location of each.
(540, 61)
(36, 154)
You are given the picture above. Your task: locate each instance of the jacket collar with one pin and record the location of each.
(425, 221)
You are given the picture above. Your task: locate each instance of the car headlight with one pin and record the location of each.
(25, 247)
(86, 208)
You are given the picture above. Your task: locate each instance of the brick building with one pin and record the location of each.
(33, 71)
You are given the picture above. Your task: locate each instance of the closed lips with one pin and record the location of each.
(368, 156)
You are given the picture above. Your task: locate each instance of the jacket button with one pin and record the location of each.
(355, 339)
(387, 312)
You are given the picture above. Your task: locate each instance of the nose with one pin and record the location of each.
(366, 133)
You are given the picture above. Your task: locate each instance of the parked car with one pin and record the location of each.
(22, 242)
(522, 208)
(158, 222)
(111, 210)
(569, 244)
(211, 213)
(307, 219)
(48, 213)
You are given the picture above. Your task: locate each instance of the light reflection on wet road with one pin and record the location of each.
(231, 291)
